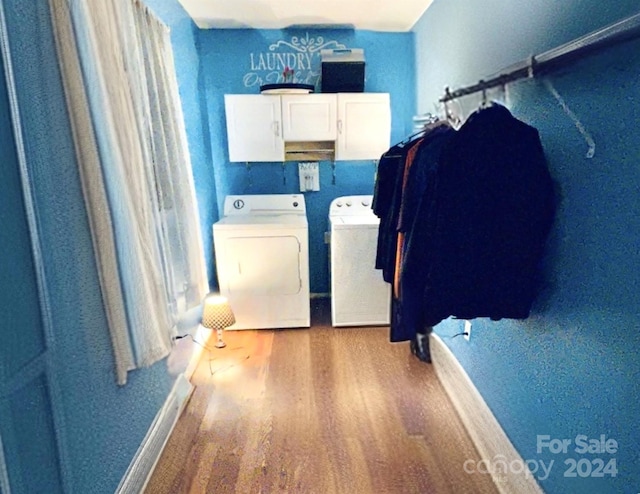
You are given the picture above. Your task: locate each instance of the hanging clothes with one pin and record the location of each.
(403, 176)
(495, 206)
(386, 204)
(419, 194)
(469, 217)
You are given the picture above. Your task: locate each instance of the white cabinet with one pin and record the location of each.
(254, 127)
(309, 117)
(358, 125)
(364, 125)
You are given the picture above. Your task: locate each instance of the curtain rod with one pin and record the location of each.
(618, 32)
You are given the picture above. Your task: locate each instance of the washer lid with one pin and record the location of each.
(262, 222)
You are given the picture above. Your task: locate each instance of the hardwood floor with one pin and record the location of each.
(320, 410)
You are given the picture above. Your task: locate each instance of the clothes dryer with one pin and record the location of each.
(262, 258)
(359, 295)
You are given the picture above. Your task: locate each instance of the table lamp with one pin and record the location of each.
(217, 314)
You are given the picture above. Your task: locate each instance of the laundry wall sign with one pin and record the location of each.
(300, 55)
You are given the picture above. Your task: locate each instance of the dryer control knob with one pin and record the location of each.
(339, 204)
(365, 203)
(349, 203)
(295, 204)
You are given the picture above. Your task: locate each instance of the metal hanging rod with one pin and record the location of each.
(618, 32)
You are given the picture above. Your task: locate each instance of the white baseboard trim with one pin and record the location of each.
(199, 341)
(485, 431)
(144, 462)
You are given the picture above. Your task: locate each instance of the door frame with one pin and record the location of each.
(44, 360)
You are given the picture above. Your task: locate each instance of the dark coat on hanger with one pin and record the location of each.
(493, 207)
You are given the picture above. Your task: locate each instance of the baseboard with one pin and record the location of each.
(137, 475)
(489, 438)
(199, 341)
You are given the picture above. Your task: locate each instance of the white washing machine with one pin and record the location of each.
(359, 295)
(262, 257)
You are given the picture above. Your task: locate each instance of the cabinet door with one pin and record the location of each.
(254, 125)
(309, 117)
(364, 125)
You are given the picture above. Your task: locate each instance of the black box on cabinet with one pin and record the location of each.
(342, 71)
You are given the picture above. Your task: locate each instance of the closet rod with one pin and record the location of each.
(618, 32)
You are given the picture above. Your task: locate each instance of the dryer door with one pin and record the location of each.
(264, 281)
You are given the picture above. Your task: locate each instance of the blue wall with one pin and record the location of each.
(571, 368)
(103, 424)
(226, 60)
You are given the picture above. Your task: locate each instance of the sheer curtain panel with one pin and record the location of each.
(122, 94)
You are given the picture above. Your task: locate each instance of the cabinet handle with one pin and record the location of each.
(276, 127)
(339, 126)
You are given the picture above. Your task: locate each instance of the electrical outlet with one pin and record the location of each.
(467, 330)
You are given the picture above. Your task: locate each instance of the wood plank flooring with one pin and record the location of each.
(320, 410)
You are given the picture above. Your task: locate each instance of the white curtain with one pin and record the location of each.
(119, 76)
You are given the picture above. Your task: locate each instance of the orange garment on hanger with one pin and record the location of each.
(411, 154)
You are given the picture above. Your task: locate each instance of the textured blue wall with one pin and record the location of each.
(225, 59)
(187, 62)
(25, 408)
(104, 424)
(571, 368)
(18, 289)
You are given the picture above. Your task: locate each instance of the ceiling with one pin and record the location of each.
(374, 15)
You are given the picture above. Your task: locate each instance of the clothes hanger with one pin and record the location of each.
(392, 153)
(450, 116)
(483, 103)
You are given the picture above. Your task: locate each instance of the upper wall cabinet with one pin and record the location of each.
(254, 127)
(309, 117)
(343, 126)
(364, 125)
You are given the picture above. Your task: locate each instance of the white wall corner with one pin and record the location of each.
(144, 462)
(485, 431)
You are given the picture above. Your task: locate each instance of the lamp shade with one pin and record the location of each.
(217, 313)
